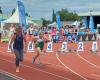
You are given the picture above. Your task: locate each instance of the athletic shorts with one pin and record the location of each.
(40, 45)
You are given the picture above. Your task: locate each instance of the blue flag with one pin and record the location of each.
(22, 17)
(91, 24)
(58, 21)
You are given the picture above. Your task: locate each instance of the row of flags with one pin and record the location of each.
(22, 18)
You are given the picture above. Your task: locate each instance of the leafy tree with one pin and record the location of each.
(1, 11)
(65, 15)
(26, 14)
(45, 22)
(53, 16)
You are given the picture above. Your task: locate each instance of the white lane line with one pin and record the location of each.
(60, 67)
(11, 75)
(38, 69)
(88, 61)
(96, 75)
(48, 63)
(69, 68)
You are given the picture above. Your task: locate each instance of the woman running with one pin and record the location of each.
(39, 45)
(17, 40)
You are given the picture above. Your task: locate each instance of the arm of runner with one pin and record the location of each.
(45, 38)
(11, 41)
(25, 43)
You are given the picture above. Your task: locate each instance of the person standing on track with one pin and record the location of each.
(30, 31)
(18, 40)
(11, 30)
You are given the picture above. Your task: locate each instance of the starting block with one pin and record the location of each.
(30, 47)
(94, 47)
(49, 47)
(63, 48)
(80, 46)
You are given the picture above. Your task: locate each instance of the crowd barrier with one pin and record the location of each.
(87, 37)
(81, 37)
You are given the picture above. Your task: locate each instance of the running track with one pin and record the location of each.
(69, 66)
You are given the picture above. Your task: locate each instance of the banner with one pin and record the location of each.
(85, 22)
(91, 24)
(22, 17)
(58, 21)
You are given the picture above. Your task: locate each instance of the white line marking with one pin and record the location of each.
(42, 61)
(70, 68)
(11, 75)
(96, 75)
(39, 70)
(88, 61)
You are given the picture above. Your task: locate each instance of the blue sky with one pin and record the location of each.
(43, 8)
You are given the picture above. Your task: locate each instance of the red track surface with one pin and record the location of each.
(68, 66)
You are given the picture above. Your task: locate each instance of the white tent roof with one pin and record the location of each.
(14, 18)
(54, 24)
(76, 23)
(94, 13)
(29, 21)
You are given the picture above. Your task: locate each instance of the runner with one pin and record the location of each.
(30, 31)
(39, 45)
(74, 44)
(12, 30)
(53, 33)
(17, 41)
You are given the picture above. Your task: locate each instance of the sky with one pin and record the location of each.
(43, 8)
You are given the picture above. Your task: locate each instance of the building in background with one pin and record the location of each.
(86, 18)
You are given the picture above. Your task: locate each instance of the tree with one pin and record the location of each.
(65, 15)
(1, 11)
(53, 16)
(26, 14)
(13, 11)
(45, 22)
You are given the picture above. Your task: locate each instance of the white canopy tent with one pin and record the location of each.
(54, 24)
(13, 19)
(17, 17)
(76, 23)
